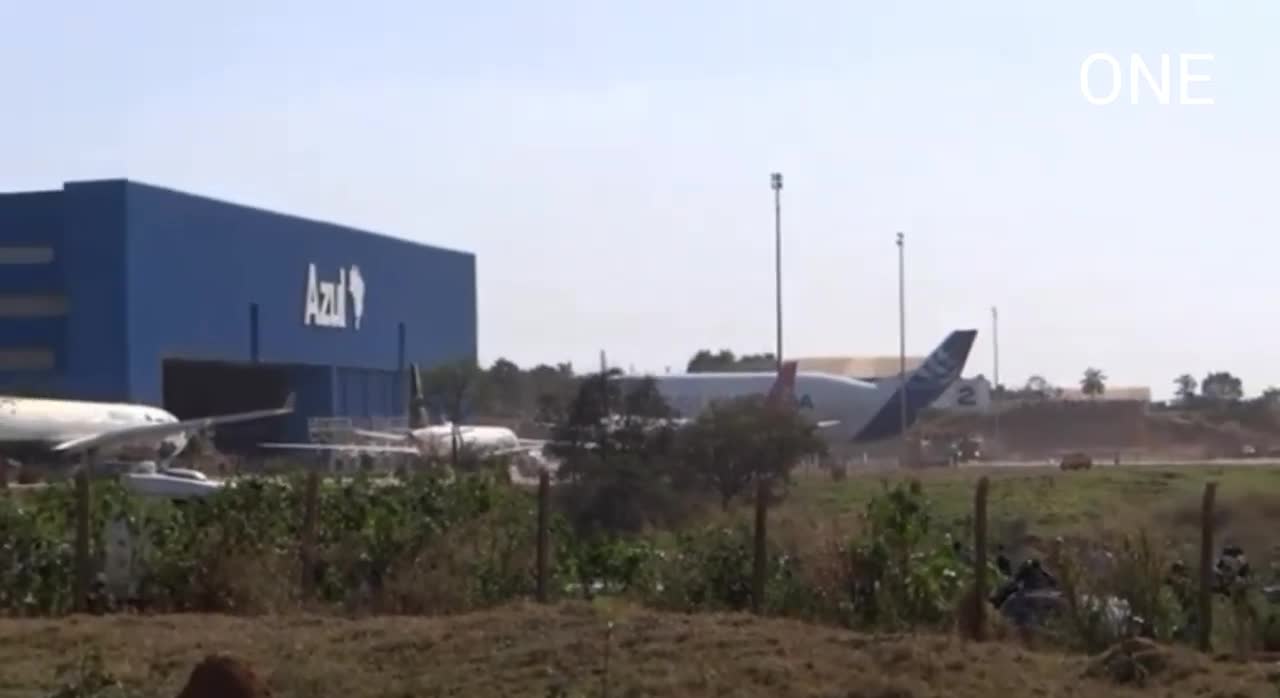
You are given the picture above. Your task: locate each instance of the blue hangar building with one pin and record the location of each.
(116, 290)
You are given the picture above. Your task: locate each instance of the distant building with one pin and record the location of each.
(863, 367)
(1120, 392)
(966, 394)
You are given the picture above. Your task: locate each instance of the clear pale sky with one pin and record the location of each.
(609, 163)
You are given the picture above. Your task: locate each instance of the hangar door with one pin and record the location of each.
(204, 388)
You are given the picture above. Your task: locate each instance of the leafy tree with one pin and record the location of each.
(1039, 386)
(550, 387)
(705, 361)
(506, 390)
(1186, 392)
(550, 409)
(616, 450)
(1093, 383)
(724, 360)
(507, 383)
(643, 401)
(451, 386)
(734, 444)
(603, 420)
(1221, 387)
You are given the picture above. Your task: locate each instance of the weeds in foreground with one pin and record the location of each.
(428, 547)
(86, 676)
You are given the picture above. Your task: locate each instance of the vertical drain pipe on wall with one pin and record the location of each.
(253, 332)
(402, 382)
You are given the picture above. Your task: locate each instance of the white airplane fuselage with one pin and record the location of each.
(437, 439)
(32, 425)
(820, 397)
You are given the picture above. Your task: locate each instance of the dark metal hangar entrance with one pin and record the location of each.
(204, 388)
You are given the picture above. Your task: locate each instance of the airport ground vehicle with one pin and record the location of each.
(1075, 460)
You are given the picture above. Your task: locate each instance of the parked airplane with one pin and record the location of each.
(47, 430)
(428, 439)
(851, 410)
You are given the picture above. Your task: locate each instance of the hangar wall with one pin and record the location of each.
(212, 261)
(240, 275)
(150, 274)
(83, 226)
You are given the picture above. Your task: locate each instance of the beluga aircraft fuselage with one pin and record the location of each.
(848, 409)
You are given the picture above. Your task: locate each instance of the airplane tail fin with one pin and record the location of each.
(784, 387)
(943, 366)
(925, 384)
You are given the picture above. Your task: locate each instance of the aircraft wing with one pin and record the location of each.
(394, 436)
(378, 448)
(159, 431)
(349, 448)
(524, 447)
(383, 435)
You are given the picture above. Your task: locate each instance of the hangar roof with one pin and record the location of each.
(276, 213)
(857, 366)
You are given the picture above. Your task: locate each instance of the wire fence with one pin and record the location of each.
(531, 521)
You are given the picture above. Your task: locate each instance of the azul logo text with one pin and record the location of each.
(1139, 70)
(326, 303)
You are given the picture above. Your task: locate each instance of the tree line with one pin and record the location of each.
(460, 389)
(505, 390)
(1217, 388)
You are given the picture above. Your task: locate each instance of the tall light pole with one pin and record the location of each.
(902, 345)
(762, 483)
(995, 370)
(995, 345)
(776, 182)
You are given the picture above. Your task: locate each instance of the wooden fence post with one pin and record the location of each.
(310, 514)
(1206, 566)
(980, 559)
(760, 561)
(544, 516)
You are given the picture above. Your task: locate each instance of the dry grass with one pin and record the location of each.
(1045, 502)
(525, 650)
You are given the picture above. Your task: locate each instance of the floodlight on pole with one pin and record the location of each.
(902, 343)
(995, 372)
(775, 181)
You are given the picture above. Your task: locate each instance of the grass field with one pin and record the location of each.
(1042, 502)
(525, 650)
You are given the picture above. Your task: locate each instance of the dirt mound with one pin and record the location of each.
(1041, 429)
(572, 650)
(221, 676)
(1134, 661)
